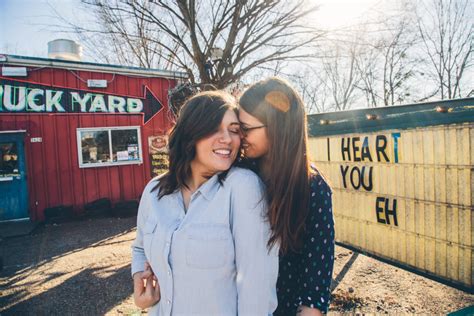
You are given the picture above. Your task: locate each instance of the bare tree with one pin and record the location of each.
(385, 64)
(122, 38)
(312, 87)
(214, 41)
(398, 66)
(341, 75)
(367, 64)
(447, 31)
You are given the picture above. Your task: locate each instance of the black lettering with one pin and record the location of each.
(379, 210)
(329, 149)
(391, 212)
(344, 172)
(366, 150)
(358, 178)
(356, 148)
(369, 186)
(345, 149)
(380, 146)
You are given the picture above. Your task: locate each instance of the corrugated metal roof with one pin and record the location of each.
(74, 65)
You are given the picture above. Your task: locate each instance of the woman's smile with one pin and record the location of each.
(223, 153)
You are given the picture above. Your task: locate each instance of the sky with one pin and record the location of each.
(334, 14)
(25, 25)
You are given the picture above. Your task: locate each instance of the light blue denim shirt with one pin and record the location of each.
(212, 260)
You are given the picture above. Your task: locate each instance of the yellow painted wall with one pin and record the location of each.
(411, 201)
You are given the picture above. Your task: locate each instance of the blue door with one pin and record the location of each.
(13, 189)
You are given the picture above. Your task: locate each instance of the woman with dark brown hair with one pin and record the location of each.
(273, 122)
(201, 234)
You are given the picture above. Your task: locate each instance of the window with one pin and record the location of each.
(8, 160)
(109, 146)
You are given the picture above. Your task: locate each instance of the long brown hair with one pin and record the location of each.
(277, 105)
(199, 117)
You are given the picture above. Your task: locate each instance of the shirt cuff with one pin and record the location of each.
(138, 260)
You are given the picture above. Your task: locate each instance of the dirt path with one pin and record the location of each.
(83, 268)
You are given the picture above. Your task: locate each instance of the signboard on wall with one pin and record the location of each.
(25, 97)
(404, 195)
(158, 147)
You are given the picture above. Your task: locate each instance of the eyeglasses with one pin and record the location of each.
(245, 129)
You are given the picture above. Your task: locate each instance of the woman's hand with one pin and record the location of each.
(306, 311)
(146, 289)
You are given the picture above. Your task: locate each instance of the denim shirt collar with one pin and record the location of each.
(209, 188)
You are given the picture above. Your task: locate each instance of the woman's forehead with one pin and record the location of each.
(246, 118)
(230, 117)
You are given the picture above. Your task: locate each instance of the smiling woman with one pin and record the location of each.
(201, 233)
(218, 151)
(207, 123)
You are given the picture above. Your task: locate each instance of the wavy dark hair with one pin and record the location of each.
(199, 117)
(288, 184)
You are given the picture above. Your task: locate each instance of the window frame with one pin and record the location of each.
(109, 130)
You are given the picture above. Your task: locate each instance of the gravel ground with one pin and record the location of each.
(83, 268)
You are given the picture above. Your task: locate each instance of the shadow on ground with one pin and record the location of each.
(74, 295)
(91, 290)
(52, 241)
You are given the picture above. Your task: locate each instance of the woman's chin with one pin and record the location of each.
(222, 166)
(250, 154)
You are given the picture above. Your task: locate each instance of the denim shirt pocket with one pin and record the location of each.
(148, 232)
(208, 246)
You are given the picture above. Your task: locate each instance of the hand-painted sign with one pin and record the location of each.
(371, 148)
(158, 147)
(23, 97)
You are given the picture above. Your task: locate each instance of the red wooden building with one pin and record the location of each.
(74, 132)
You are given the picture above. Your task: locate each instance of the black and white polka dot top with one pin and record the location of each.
(305, 277)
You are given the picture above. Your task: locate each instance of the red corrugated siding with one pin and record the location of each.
(54, 176)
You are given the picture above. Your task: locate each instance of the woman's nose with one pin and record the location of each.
(225, 137)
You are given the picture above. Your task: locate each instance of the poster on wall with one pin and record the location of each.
(132, 152)
(122, 155)
(158, 147)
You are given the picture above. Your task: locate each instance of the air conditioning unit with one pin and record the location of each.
(64, 49)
